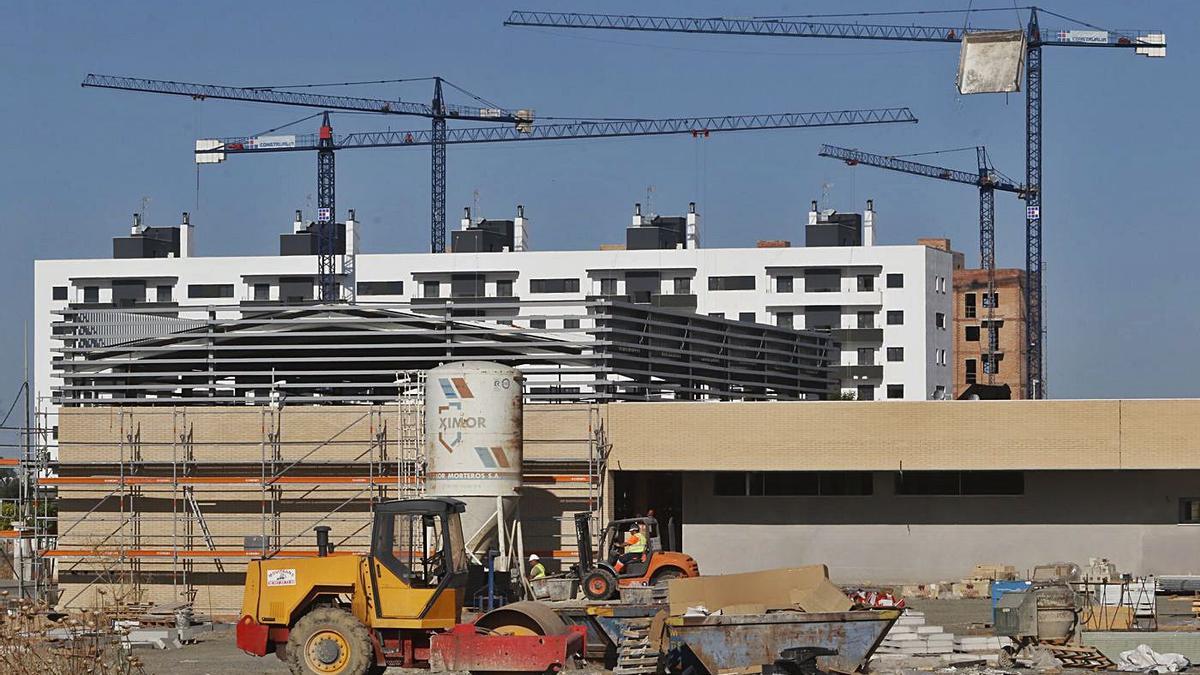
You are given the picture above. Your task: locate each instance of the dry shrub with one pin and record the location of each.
(31, 643)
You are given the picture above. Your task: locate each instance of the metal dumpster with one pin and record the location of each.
(724, 642)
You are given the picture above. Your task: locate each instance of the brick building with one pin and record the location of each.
(971, 364)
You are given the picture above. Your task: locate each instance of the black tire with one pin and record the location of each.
(662, 576)
(600, 584)
(329, 641)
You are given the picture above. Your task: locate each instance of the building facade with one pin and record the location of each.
(889, 307)
(974, 314)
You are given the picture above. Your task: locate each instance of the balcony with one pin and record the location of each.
(850, 374)
(858, 335)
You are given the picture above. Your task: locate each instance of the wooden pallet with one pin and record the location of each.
(1087, 658)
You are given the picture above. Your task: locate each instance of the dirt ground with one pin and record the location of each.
(216, 654)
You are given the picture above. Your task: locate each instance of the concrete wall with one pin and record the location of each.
(1129, 517)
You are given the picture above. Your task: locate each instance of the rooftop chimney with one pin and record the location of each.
(137, 224)
(637, 215)
(185, 236)
(869, 224)
(298, 223)
(693, 226)
(812, 213)
(465, 223)
(520, 230)
(351, 234)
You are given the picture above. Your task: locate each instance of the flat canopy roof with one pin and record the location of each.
(905, 435)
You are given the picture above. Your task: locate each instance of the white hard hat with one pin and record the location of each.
(533, 557)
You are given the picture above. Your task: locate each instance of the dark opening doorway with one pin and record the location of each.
(657, 493)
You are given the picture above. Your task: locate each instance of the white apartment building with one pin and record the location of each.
(889, 307)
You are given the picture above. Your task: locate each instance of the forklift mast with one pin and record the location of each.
(583, 541)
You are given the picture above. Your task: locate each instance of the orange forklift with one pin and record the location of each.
(598, 574)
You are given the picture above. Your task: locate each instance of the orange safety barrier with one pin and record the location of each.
(182, 553)
(258, 480)
(9, 461)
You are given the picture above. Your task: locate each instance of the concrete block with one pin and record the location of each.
(930, 629)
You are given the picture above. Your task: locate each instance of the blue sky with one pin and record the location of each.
(1121, 235)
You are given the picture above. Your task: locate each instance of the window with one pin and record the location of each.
(895, 317)
(939, 393)
(59, 293)
(717, 315)
(895, 353)
(895, 391)
(504, 288)
(296, 289)
(379, 288)
(866, 282)
(746, 316)
(91, 294)
(785, 319)
(128, 292)
(683, 285)
(431, 289)
(941, 357)
(960, 483)
(164, 293)
(972, 333)
(537, 323)
(866, 392)
(262, 292)
(939, 284)
(608, 287)
(1189, 511)
(792, 483)
(554, 285)
(822, 280)
(895, 281)
(866, 319)
(784, 284)
(991, 366)
(972, 372)
(995, 300)
(866, 356)
(470, 285)
(969, 306)
(939, 320)
(210, 290)
(731, 283)
(571, 324)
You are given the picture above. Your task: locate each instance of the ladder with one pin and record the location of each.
(190, 498)
(410, 440)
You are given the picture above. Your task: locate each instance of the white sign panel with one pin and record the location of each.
(324, 214)
(209, 157)
(990, 62)
(265, 142)
(1098, 37)
(286, 577)
(1033, 212)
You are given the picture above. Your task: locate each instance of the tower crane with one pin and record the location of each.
(325, 143)
(438, 111)
(1150, 44)
(988, 180)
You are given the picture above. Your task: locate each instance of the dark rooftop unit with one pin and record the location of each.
(147, 242)
(486, 236)
(306, 243)
(659, 232)
(833, 229)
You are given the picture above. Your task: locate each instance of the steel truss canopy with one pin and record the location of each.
(313, 353)
(209, 150)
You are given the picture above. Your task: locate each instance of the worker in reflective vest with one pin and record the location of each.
(536, 569)
(635, 548)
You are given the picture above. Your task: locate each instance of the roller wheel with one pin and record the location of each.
(329, 641)
(600, 584)
(661, 577)
(522, 618)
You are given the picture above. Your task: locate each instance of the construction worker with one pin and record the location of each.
(635, 548)
(536, 569)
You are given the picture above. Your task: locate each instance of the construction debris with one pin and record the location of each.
(806, 588)
(911, 637)
(1146, 660)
